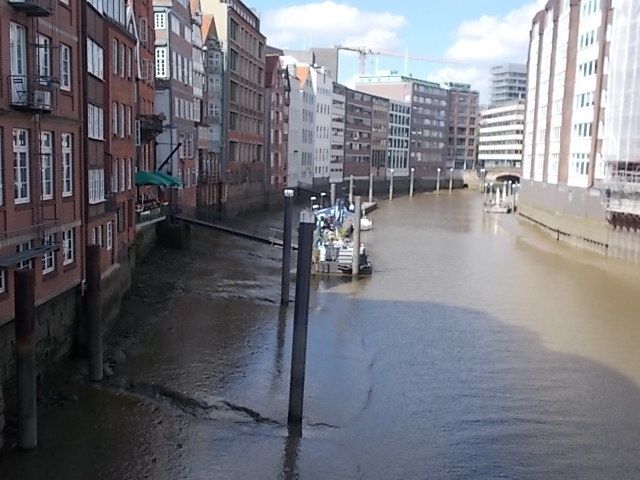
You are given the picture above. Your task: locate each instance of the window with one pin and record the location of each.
(95, 120)
(122, 59)
(123, 174)
(161, 62)
(143, 30)
(46, 155)
(67, 165)
(130, 174)
(23, 247)
(128, 120)
(109, 235)
(160, 20)
(49, 258)
(122, 121)
(115, 57)
(128, 62)
(97, 4)
(114, 118)
(65, 67)
(95, 59)
(3, 281)
(96, 186)
(44, 58)
(21, 165)
(68, 240)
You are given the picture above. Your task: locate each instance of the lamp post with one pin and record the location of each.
(450, 179)
(482, 177)
(392, 171)
(286, 247)
(350, 189)
(371, 188)
(438, 181)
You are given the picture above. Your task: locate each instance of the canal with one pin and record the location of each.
(478, 349)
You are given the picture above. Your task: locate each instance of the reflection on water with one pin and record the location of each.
(478, 349)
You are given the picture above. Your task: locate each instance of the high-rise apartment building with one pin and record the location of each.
(338, 118)
(243, 46)
(565, 108)
(429, 116)
(501, 135)
(379, 136)
(42, 176)
(508, 83)
(463, 126)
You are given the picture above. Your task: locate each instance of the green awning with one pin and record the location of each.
(170, 179)
(151, 178)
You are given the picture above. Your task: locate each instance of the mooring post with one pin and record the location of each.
(413, 171)
(355, 259)
(333, 194)
(350, 189)
(25, 328)
(392, 171)
(300, 321)
(438, 181)
(371, 188)
(94, 312)
(286, 247)
(450, 179)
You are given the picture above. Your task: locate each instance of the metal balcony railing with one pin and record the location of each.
(34, 8)
(32, 93)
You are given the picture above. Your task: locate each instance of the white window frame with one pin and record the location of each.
(21, 247)
(44, 57)
(128, 120)
(160, 20)
(114, 119)
(21, 166)
(161, 62)
(67, 164)
(46, 164)
(65, 67)
(95, 59)
(95, 119)
(96, 186)
(122, 120)
(68, 241)
(3, 281)
(109, 238)
(123, 174)
(48, 258)
(130, 174)
(115, 56)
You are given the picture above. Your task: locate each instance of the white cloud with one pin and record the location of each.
(489, 40)
(495, 38)
(330, 23)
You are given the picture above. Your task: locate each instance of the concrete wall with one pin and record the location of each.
(576, 217)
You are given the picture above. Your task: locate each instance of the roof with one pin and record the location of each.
(303, 72)
(209, 30)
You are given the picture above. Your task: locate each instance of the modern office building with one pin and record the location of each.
(319, 57)
(399, 138)
(357, 134)
(508, 83)
(243, 47)
(501, 135)
(463, 126)
(429, 116)
(379, 136)
(338, 119)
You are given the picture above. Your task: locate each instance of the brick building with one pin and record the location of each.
(463, 126)
(278, 91)
(41, 173)
(357, 134)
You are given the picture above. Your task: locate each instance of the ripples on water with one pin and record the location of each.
(471, 353)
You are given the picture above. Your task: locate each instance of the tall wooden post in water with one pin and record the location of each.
(392, 171)
(25, 328)
(371, 188)
(286, 247)
(301, 321)
(94, 312)
(413, 171)
(357, 215)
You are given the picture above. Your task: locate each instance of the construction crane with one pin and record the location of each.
(364, 52)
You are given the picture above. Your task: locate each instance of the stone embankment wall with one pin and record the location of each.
(578, 218)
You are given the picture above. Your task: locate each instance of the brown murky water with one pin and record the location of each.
(479, 349)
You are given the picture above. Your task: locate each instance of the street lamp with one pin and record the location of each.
(438, 182)
(413, 171)
(392, 171)
(450, 179)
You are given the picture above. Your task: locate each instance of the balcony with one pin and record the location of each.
(32, 93)
(33, 8)
(151, 212)
(150, 127)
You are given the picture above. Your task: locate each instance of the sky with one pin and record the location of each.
(472, 35)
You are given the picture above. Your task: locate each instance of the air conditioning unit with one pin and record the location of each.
(42, 99)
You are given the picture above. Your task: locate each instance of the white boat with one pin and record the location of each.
(366, 224)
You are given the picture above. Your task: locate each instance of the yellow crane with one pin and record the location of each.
(364, 52)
